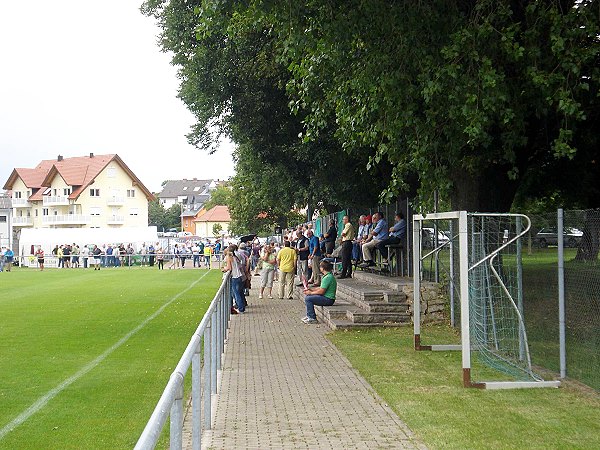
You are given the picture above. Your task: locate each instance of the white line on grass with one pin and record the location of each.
(42, 401)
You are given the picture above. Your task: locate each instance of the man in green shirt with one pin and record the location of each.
(323, 295)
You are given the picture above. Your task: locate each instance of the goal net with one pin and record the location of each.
(476, 260)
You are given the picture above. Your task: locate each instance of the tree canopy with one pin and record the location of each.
(333, 103)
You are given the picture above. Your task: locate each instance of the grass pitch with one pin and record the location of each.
(92, 325)
(425, 390)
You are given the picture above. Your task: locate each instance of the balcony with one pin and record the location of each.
(115, 220)
(59, 200)
(66, 219)
(20, 203)
(22, 221)
(115, 201)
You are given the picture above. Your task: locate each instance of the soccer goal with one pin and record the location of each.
(476, 259)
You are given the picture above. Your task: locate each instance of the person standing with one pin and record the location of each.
(314, 256)
(347, 239)
(330, 238)
(324, 295)
(286, 260)
(85, 252)
(302, 248)
(235, 264)
(196, 255)
(267, 271)
(160, 258)
(39, 253)
(8, 258)
(97, 260)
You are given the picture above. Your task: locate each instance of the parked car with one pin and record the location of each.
(549, 236)
(428, 237)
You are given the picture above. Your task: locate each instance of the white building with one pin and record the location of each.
(95, 191)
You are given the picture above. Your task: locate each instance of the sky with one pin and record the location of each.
(80, 77)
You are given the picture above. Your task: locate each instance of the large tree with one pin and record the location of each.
(475, 99)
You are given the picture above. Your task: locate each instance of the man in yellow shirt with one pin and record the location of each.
(286, 260)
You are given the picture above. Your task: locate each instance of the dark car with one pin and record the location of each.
(549, 236)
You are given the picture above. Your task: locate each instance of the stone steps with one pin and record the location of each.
(360, 304)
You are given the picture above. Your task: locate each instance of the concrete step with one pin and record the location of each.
(385, 307)
(383, 282)
(379, 318)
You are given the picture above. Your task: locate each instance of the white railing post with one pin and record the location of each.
(213, 354)
(196, 400)
(177, 416)
(207, 376)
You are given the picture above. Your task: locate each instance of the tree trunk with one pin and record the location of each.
(487, 191)
(590, 241)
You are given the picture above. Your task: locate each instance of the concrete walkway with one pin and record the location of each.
(285, 386)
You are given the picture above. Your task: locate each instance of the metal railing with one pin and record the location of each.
(66, 218)
(53, 200)
(210, 338)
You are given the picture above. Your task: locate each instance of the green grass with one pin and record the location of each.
(55, 322)
(425, 390)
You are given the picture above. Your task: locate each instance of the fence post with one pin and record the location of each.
(519, 226)
(213, 353)
(561, 296)
(177, 416)
(207, 375)
(196, 400)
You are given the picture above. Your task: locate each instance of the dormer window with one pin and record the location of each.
(17, 194)
(67, 191)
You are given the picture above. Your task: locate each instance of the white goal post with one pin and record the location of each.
(478, 256)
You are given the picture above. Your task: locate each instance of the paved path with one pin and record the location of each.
(285, 386)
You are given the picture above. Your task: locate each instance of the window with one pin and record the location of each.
(133, 212)
(28, 194)
(54, 192)
(94, 192)
(36, 213)
(67, 191)
(17, 194)
(2, 219)
(95, 211)
(111, 172)
(45, 212)
(130, 193)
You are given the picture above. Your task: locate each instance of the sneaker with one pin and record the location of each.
(270, 296)
(234, 311)
(309, 320)
(260, 296)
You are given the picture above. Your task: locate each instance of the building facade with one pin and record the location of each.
(5, 222)
(95, 191)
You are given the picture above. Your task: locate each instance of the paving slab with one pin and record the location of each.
(286, 386)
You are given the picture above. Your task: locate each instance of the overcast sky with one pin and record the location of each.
(81, 76)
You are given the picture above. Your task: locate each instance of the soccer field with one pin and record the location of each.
(86, 354)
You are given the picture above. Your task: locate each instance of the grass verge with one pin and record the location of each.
(425, 390)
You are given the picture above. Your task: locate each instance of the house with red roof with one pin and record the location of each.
(206, 221)
(95, 191)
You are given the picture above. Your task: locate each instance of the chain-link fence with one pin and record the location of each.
(541, 261)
